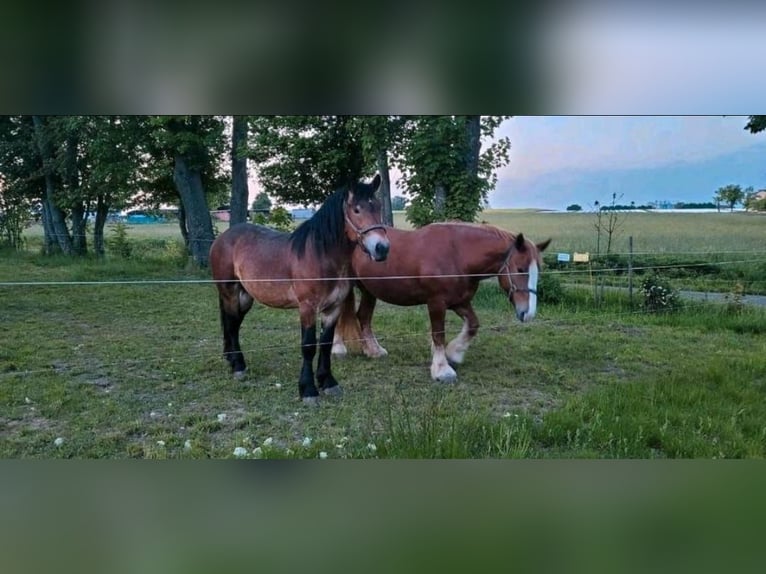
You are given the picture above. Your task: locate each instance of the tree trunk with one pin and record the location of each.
(56, 216)
(102, 210)
(385, 187)
(440, 202)
(50, 243)
(78, 214)
(200, 227)
(182, 224)
(239, 189)
(79, 217)
(473, 145)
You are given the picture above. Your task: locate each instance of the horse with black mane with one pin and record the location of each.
(307, 269)
(440, 265)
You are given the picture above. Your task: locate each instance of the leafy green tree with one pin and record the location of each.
(303, 159)
(756, 124)
(574, 207)
(444, 171)
(262, 202)
(730, 194)
(192, 148)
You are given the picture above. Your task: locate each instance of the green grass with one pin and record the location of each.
(134, 370)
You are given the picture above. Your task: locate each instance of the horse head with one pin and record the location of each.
(364, 224)
(519, 274)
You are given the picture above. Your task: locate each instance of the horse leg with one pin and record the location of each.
(327, 383)
(370, 344)
(440, 368)
(306, 388)
(347, 326)
(234, 303)
(459, 345)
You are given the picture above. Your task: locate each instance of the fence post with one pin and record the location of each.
(630, 270)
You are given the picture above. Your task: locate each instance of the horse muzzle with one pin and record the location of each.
(376, 248)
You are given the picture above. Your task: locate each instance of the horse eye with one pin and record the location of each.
(357, 210)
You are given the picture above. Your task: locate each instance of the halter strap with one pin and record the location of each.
(360, 232)
(506, 266)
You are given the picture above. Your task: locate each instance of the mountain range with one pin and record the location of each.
(684, 181)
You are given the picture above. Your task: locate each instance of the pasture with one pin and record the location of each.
(132, 366)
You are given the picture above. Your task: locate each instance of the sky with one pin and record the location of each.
(693, 153)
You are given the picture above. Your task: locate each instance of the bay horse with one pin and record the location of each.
(440, 265)
(307, 269)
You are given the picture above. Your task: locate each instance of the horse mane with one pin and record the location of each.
(502, 233)
(326, 228)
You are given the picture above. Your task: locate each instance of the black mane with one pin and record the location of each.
(326, 228)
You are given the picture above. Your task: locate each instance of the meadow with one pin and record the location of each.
(131, 366)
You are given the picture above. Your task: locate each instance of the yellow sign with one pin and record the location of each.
(581, 257)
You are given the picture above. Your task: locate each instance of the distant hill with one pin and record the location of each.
(682, 181)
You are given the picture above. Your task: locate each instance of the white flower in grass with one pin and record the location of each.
(160, 443)
(372, 447)
(258, 452)
(187, 445)
(27, 400)
(323, 455)
(278, 385)
(506, 415)
(221, 417)
(307, 441)
(59, 441)
(268, 441)
(153, 414)
(240, 452)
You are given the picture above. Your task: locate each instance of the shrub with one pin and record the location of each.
(658, 295)
(118, 243)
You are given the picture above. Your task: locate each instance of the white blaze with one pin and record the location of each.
(532, 285)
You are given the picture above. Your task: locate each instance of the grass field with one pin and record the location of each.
(134, 370)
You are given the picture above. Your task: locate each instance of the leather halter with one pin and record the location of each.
(507, 267)
(360, 232)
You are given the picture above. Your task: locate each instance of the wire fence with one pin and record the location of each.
(583, 271)
(211, 349)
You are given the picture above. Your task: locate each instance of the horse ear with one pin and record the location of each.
(543, 245)
(375, 182)
(520, 244)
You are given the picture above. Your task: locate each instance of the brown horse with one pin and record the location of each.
(440, 265)
(307, 269)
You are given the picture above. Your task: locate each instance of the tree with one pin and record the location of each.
(574, 207)
(753, 203)
(398, 203)
(303, 159)
(730, 194)
(194, 145)
(444, 171)
(609, 221)
(756, 124)
(262, 202)
(239, 189)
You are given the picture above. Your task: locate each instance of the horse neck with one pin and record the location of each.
(494, 245)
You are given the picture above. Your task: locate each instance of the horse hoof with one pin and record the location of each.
(239, 375)
(311, 401)
(335, 392)
(446, 378)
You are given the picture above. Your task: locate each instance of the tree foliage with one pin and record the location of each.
(444, 173)
(731, 195)
(756, 124)
(262, 202)
(303, 159)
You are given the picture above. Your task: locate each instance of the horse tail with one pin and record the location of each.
(347, 329)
